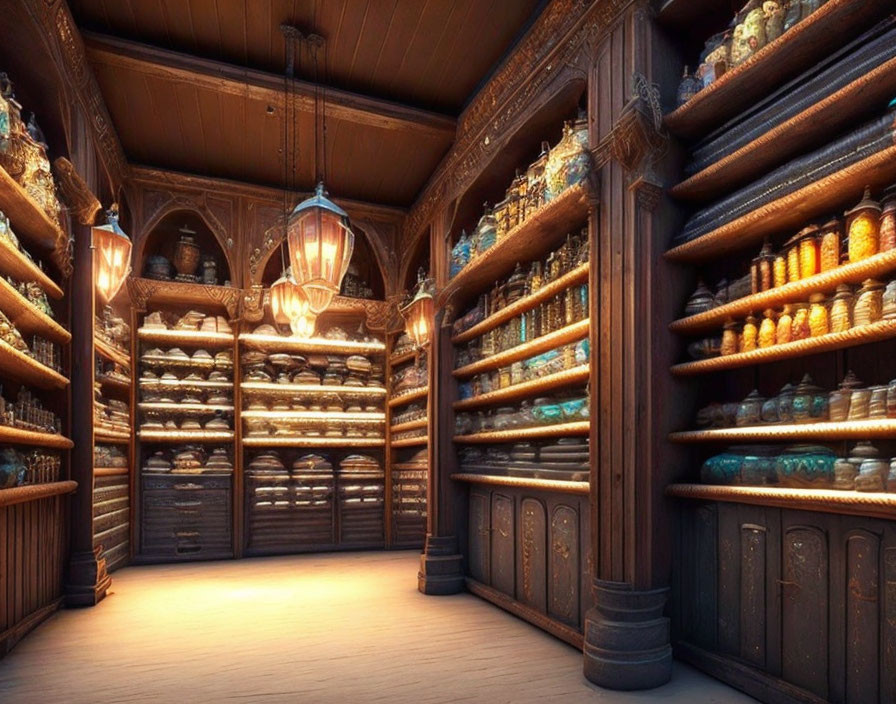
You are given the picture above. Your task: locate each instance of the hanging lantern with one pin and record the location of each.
(418, 314)
(111, 256)
(288, 300)
(320, 248)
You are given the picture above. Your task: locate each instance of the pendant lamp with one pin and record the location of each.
(111, 256)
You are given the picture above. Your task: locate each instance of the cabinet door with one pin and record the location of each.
(479, 535)
(563, 585)
(503, 544)
(532, 568)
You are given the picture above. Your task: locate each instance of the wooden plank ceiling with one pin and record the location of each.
(197, 85)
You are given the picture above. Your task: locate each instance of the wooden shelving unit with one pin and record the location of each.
(110, 471)
(874, 267)
(34, 492)
(111, 436)
(545, 293)
(27, 318)
(883, 330)
(272, 388)
(410, 425)
(833, 192)
(123, 385)
(551, 382)
(526, 241)
(18, 436)
(271, 343)
(21, 367)
(403, 357)
(15, 264)
(30, 222)
(111, 353)
(882, 428)
(409, 397)
(782, 59)
(184, 408)
(185, 436)
(183, 384)
(186, 337)
(343, 417)
(285, 441)
(542, 431)
(556, 485)
(563, 336)
(410, 442)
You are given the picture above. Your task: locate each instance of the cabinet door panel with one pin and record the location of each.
(479, 535)
(563, 590)
(503, 544)
(533, 555)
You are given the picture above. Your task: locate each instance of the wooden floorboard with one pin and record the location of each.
(347, 627)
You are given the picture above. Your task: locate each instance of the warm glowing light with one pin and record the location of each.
(419, 313)
(111, 256)
(288, 300)
(320, 248)
(303, 325)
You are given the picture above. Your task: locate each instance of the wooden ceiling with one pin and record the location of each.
(198, 85)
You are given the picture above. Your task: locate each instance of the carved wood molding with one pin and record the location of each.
(75, 192)
(142, 290)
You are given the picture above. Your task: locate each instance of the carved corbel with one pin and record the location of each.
(140, 291)
(75, 192)
(252, 304)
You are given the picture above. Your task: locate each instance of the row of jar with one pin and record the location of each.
(28, 413)
(542, 411)
(189, 459)
(41, 350)
(35, 467)
(802, 467)
(805, 403)
(551, 362)
(519, 284)
(31, 290)
(556, 169)
(844, 311)
(571, 306)
(758, 23)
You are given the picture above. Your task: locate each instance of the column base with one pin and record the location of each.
(627, 638)
(441, 568)
(87, 581)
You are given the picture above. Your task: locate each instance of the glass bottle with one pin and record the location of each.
(800, 328)
(869, 303)
(767, 329)
(808, 243)
(863, 228)
(784, 331)
(729, 338)
(749, 335)
(536, 279)
(766, 259)
(569, 305)
(818, 316)
(779, 268)
(829, 248)
(792, 248)
(888, 221)
(840, 309)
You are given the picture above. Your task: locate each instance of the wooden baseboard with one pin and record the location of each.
(760, 685)
(559, 630)
(13, 635)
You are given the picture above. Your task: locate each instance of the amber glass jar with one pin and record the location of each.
(841, 318)
(818, 316)
(888, 222)
(766, 261)
(869, 303)
(792, 248)
(749, 335)
(800, 328)
(808, 244)
(768, 329)
(779, 270)
(729, 339)
(784, 330)
(829, 246)
(863, 228)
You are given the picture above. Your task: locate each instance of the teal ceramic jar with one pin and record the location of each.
(806, 466)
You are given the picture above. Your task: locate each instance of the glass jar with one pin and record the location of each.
(729, 338)
(749, 411)
(535, 277)
(766, 263)
(829, 247)
(877, 405)
(784, 329)
(859, 404)
(809, 246)
(891, 399)
(749, 335)
(888, 221)
(779, 270)
(800, 328)
(504, 378)
(792, 248)
(768, 329)
(869, 303)
(888, 305)
(863, 228)
(840, 309)
(839, 399)
(818, 316)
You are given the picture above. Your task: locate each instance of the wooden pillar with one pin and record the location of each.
(86, 579)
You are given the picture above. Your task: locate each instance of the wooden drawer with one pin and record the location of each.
(186, 482)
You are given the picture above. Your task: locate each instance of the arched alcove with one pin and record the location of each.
(162, 239)
(419, 258)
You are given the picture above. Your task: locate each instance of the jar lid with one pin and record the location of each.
(867, 203)
(832, 225)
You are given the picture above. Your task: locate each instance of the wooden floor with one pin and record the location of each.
(315, 628)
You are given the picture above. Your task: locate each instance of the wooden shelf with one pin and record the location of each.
(795, 136)
(113, 354)
(270, 343)
(874, 267)
(525, 242)
(18, 436)
(182, 293)
(839, 190)
(264, 387)
(875, 332)
(410, 466)
(409, 396)
(184, 408)
(559, 430)
(402, 357)
(558, 338)
(576, 276)
(20, 367)
(345, 417)
(878, 428)
(111, 436)
(783, 59)
(524, 483)
(110, 472)
(410, 425)
(568, 377)
(35, 492)
(410, 442)
(30, 223)
(186, 337)
(169, 363)
(15, 264)
(186, 435)
(281, 441)
(855, 503)
(183, 384)
(115, 382)
(27, 318)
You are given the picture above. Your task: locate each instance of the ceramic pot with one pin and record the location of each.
(839, 398)
(158, 267)
(805, 466)
(186, 256)
(874, 470)
(750, 410)
(209, 272)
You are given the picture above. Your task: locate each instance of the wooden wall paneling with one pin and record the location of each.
(861, 641)
(478, 556)
(503, 544)
(888, 617)
(532, 562)
(564, 566)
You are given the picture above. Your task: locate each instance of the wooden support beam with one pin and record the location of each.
(261, 86)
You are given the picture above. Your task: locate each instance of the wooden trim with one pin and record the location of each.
(285, 441)
(185, 435)
(251, 84)
(410, 425)
(111, 353)
(183, 384)
(568, 280)
(571, 333)
(402, 357)
(20, 436)
(568, 377)
(184, 408)
(186, 337)
(855, 273)
(558, 430)
(875, 332)
(556, 485)
(265, 387)
(882, 428)
(19, 630)
(18, 365)
(19, 267)
(268, 343)
(536, 618)
(111, 436)
(851, 503)
(111, 472)
(30, 223)
(27, 318)
(378, 417)
(35, 492)
(409, 396)
(410, 442)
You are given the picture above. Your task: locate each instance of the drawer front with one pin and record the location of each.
(186, 482)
